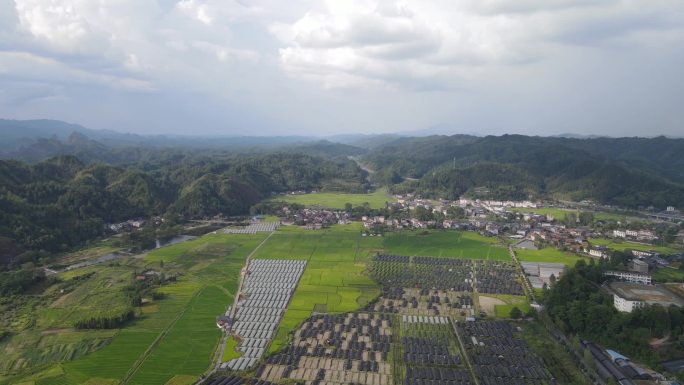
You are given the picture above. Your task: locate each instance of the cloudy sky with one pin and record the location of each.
(256, 67)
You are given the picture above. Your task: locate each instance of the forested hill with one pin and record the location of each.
(61, 202)
(37, 140)
(71, 184)
(624, 171)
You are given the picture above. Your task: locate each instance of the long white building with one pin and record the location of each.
(629, 276)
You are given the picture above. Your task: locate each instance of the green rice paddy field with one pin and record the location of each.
(173, 340)
(445, 244)
(334, 279)
(626, 245)
(174, 337)
(559, 214)
(667, 274)
(375, 200)
(549, 255)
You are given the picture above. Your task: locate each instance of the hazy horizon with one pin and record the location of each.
(433, 131)
(250, 68)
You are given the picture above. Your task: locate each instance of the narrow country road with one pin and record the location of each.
(219, 353)
(521, 271)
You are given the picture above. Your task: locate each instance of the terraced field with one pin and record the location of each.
(173, 338)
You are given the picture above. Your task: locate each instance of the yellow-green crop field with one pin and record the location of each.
(375, 200)
(626, 245)
(559, 214)
(334, 279)
(172, 339)
(549, 255)
(443, 243)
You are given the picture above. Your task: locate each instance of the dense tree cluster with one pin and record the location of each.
(577, 306)
(109, 320)
(629, 172)
(17, 281)
(62, 202)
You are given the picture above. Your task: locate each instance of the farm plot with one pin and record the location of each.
(336, 349)
(548, 255)
(559, 214)
(499, 356)
(186, 348)
(430, 352)
(423, 302)
(253, 228)
(235, 380)
(497, 278)
(668, 274)
(375, 200)
(452, 244)
(423, 272)
(173, 336)
(619, 245)
(492, 277)
(265, 294)
(334, 280)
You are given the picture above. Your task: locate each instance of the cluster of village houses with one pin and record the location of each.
(314, 219)
(484, 216)
(533, 231)
(132, 224)
(631, 288)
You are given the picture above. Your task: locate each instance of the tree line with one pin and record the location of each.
(63, 202)
(576, 304)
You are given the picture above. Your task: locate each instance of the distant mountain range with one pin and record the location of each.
(624, 171)
(18, 134)
(59, 183)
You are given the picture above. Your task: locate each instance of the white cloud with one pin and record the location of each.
(137, 39)
(196, 10)
(224, 53)
(364, 59)
(445, 42)
(389, 40)
(59, 23)
(36, 69)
